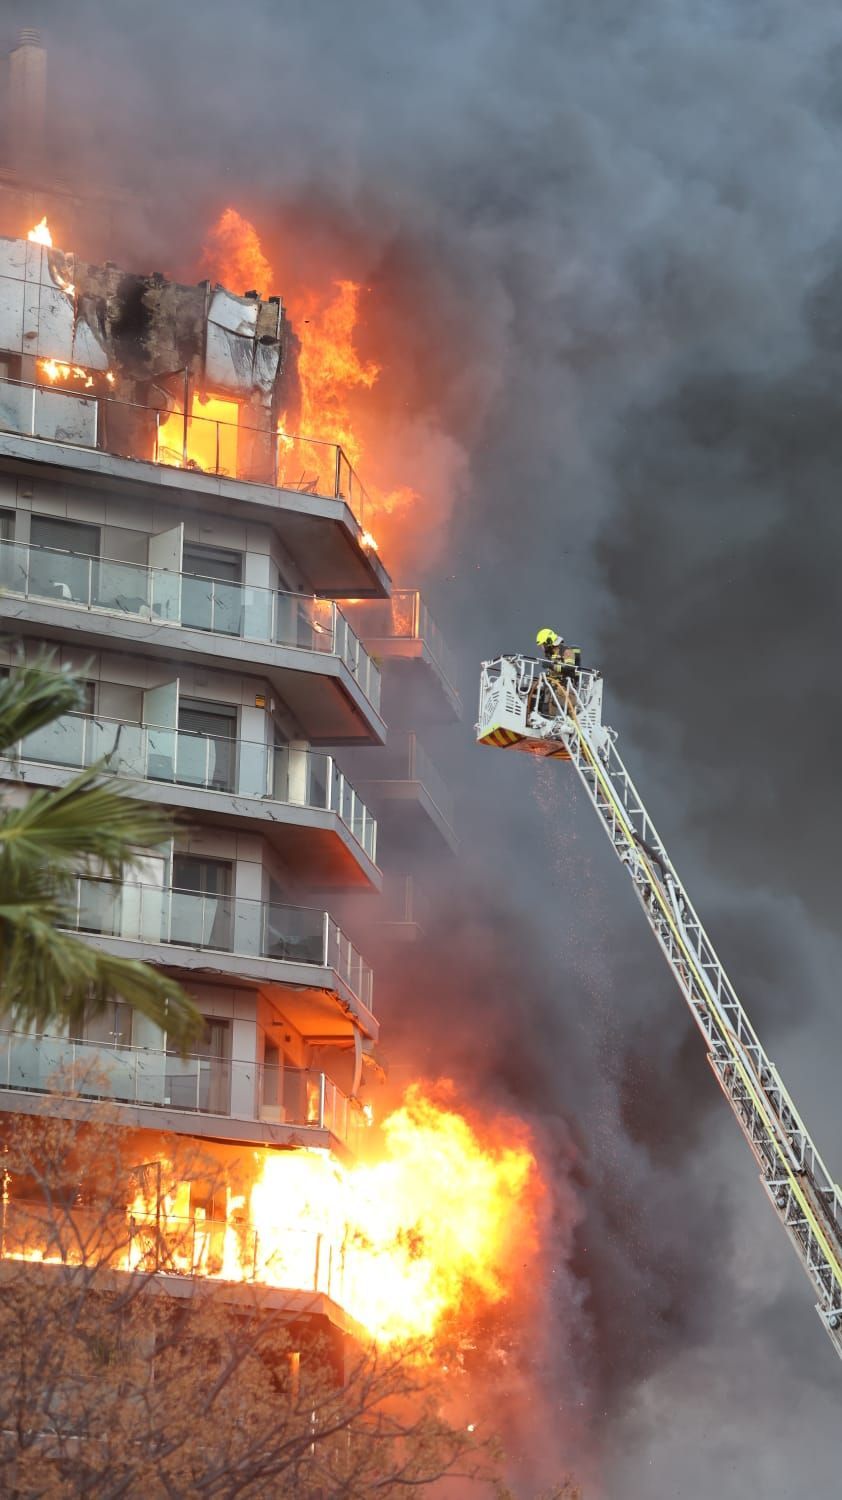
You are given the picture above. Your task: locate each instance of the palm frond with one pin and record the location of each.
(84, 824)
(49, 975)
(34, 694)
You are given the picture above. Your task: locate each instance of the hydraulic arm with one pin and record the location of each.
(547, 709)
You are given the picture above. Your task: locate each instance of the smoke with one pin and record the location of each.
(604, 258)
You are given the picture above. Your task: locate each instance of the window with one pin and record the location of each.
(201, 907)
(65, 536)
(10, 366)
(271, 1074)
(203, 877)
(59, 566)
(12, 562)
(202, 1081)
(211, 589)
(206, 743)
(212, 562)
(112, 1026)
(212, 719)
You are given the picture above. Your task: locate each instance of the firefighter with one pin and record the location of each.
(552, 643)
(566, 659)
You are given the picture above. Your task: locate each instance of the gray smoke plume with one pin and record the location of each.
(604, 250)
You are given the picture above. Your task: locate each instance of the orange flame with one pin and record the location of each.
(40, 235)
(438, 1229)
(55, 370)
(234, 255)
(434, 1224)
(329, 367)
(207, 440)
(330, 372)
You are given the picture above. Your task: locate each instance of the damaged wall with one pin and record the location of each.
(159, 341)
(224, 365)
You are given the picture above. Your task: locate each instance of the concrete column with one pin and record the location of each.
(248, 897)
(245, 1071)
(255, 778)
(27, 100)
(258, 604)
(298, 766)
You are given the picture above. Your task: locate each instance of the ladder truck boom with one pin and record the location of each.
(552, 709)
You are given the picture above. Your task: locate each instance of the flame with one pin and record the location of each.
(234, 255)
(329, 367)
(440, 1227)
(330, 370)
(40, 235)
(55, 370)
(207, 440)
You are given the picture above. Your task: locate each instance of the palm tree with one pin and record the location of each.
(89, 826)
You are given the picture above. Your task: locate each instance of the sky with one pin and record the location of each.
(603, 250)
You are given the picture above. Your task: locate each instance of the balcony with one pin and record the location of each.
(303, 645)
(414, 803)
(298, 800)
(299, 1099)
(304, 488)
(403, 912)
(401, 633)
(327, 985)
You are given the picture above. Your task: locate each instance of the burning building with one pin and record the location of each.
(171, 537)
(183, 522)
(169, 555)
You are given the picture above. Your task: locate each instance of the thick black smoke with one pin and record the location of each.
(605, 252)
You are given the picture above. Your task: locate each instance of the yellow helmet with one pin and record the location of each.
(544, 637)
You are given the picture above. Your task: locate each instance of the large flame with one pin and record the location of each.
(331, 373)
(234, 254)
(40, 234)
(433, 1225)
(439, 1228)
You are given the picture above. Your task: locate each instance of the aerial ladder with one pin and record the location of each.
(554, 709)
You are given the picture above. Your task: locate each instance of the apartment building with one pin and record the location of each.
(161, 536)
(220, 674)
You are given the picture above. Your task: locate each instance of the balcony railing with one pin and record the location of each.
(423, 769)
(405, 616)
(151, 1239)
(414, 764)
(128, 429)
(233, 610)
(225, 924)
(302, 778)
(201, 1085)
(403, 901)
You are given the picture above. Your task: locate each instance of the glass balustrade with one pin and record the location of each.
(199, 1084)
(227, 924)
(422, 768)
(178, 439)
(238, 610)
(303, 778)
(405, 616)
